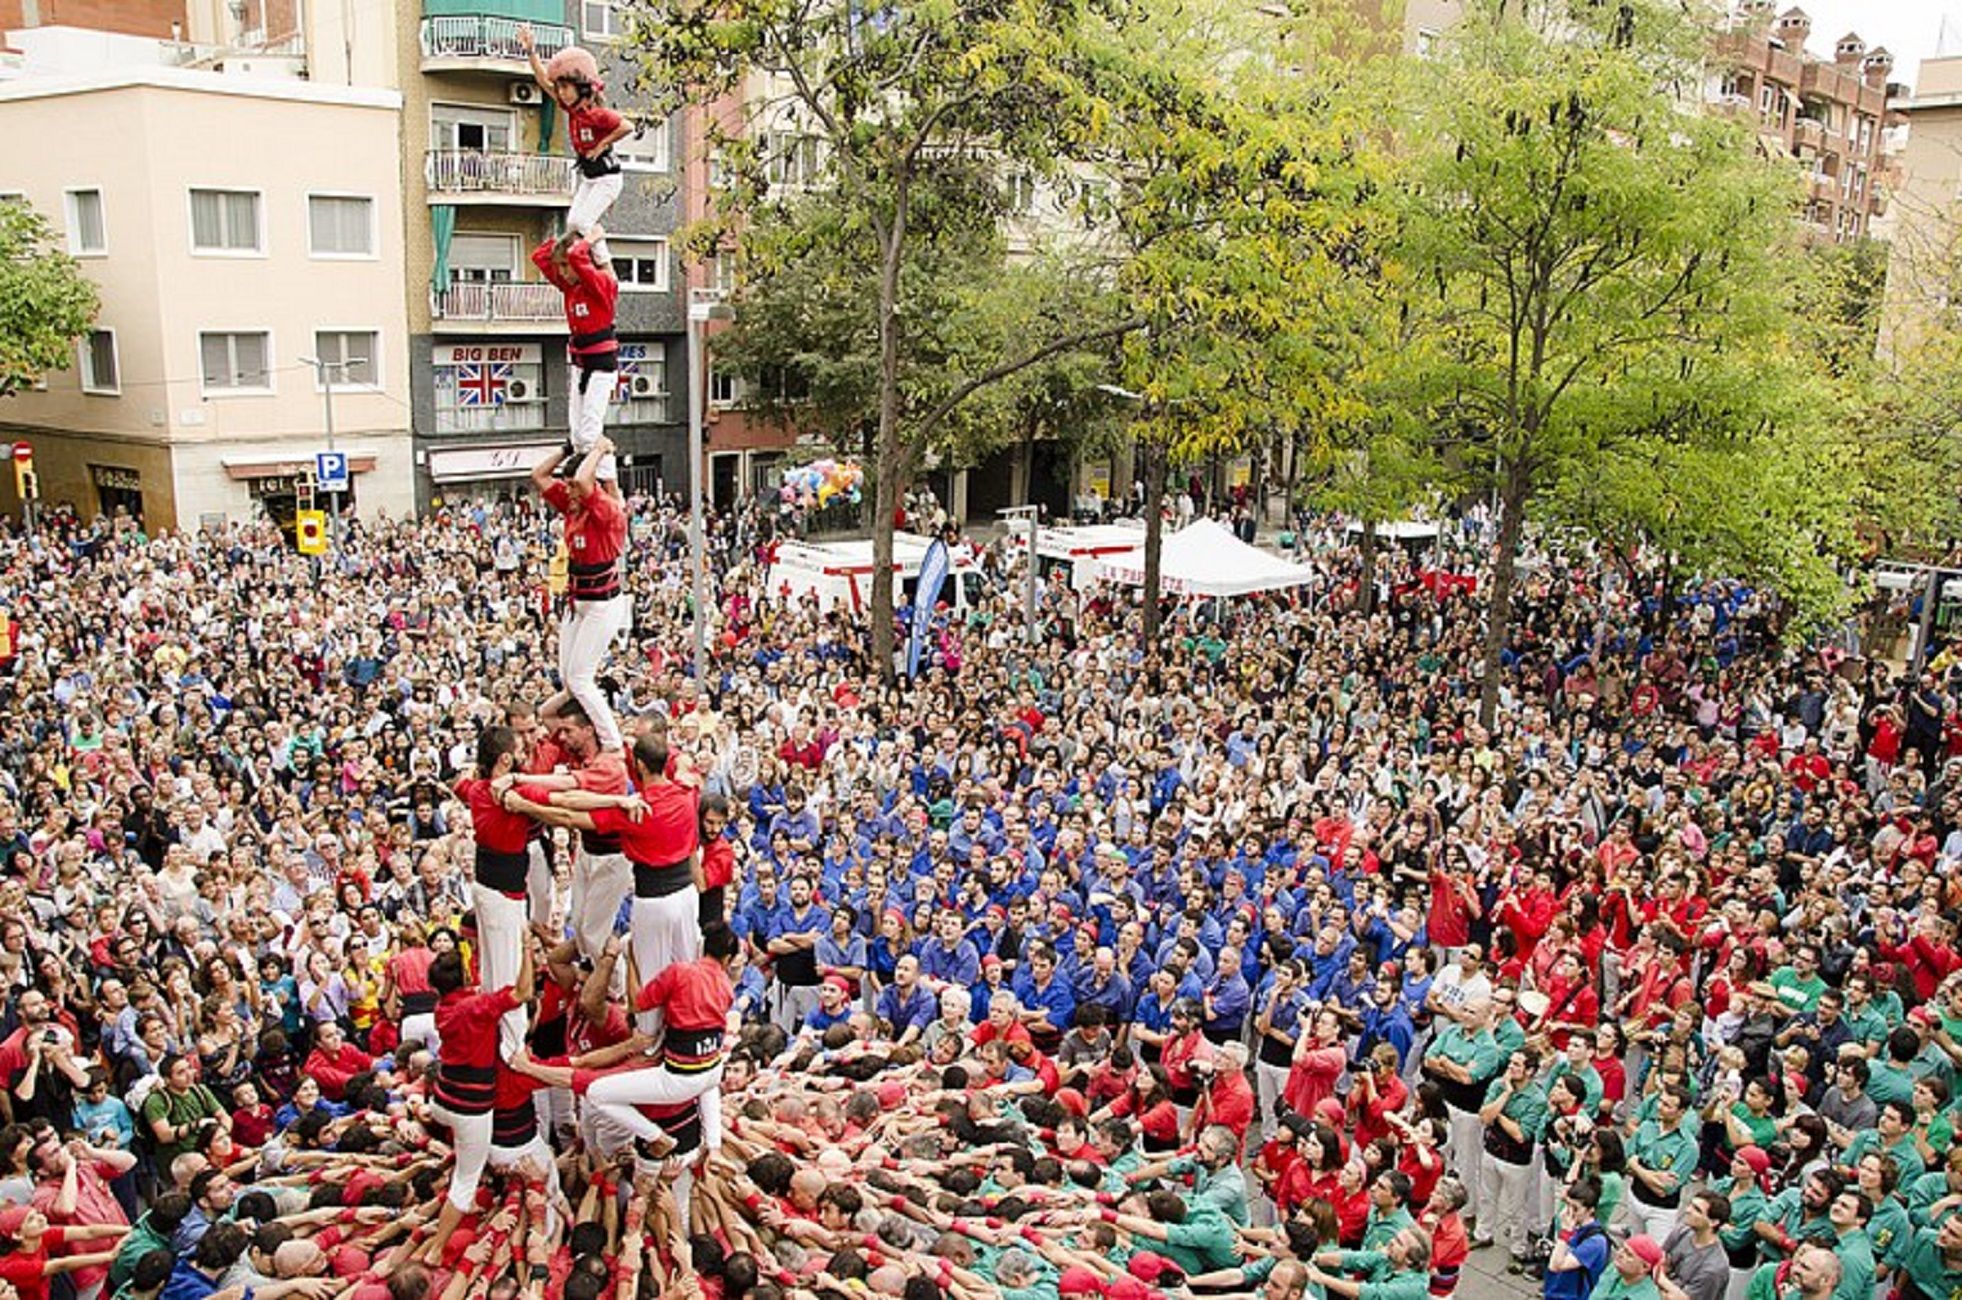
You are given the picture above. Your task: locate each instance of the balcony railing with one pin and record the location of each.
(515, 302)
(508, 418)
(471, 38)
(538, 176)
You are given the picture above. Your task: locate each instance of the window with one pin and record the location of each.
(458, 126)
(790, 159)
(640, 264)
(87, 235)
(488, 387)
(724, 388)
(602, 20)
(340, 225)
(352, 357)
(99, 371)
(640, 386)
(646, 150)
(1426, 42)
(236, 363)
(1019, 193)
(225, 221)
(722, 271)
(483, 259)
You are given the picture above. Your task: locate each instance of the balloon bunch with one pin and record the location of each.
(821, 480)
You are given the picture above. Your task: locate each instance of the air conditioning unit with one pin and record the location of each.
(525, 92)
(517, 390)
(642, 386)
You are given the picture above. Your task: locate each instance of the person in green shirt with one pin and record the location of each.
(1400, 1271)
(1798, 985)
(1798, 1214)
(1933, 1264)
(1661, 1161)
(1024, 1275)
(1513, 1114)
(1631, 1271)
(1747, 1121)
(1934, 1126)
(1198, 1238)
(1864, 1020)
(1892, 1078)
(1217, 1179)
(1891, 1229)
(1892, 1134)
(1743, 1187)
(177, 1108)
(1463, 1058)
(1577, 1060)
(1850, 1213)
(153, 1231)
(1813, 1274)
(1389, 1209)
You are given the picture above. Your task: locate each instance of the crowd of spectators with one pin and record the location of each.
(1240, 959)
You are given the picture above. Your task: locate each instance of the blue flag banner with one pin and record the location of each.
(933, 573)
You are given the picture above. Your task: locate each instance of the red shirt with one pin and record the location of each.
(333, 1072)
(595, 528)
(669, 833)
(491, 826)
(467, 1023)
(696, 995)
(591, 296)
(588, 124)
(718, 863)
(24, 1269)
(1230, 1101)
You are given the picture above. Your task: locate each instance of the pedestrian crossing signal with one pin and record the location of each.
(310, 532)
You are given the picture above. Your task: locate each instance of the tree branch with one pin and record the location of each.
(968, 388)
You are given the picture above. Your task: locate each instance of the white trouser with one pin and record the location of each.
(1654, 1220)
(600, 883)
(421, 1028)
(554, 1107)
(471, 1136)
(1739, 1285)
(600, 1133)
(585, 636)
(538, 881)
(1502, 1203)
(501, 946)
(1467, 1145)
(618, 1096)
(1270, 1081)
(587, 393)
(666, 930)
(591, 197)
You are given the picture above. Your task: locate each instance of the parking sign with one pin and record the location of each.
(330, 471)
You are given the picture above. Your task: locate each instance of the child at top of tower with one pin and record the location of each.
(572, 79)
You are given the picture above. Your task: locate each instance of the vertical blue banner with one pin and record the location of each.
(933, 573)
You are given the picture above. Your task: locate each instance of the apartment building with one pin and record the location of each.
(189, 402)
(1924, 270)
(487, 178)
(1828, 115)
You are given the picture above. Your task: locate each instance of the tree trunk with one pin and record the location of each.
(1287, 493)
(1156, 458)
(1498, 614)
(1366, 587)
(1025, 460)
(1257, 481)
(891, 466)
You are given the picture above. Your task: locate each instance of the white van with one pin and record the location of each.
(1081, 550)
(839, 574)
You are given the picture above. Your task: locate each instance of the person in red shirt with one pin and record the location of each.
(599, 606)
(601, 874)
(334, 1061)
(465, 1091)
(538, 755)
(503, 859)
(695, 999)
(26, 1241)
(406, 994)
(717, 869)
(658, 829)
(572, 79)
(1227, 1099)
(583, 275)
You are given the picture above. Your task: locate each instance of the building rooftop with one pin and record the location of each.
(197, 81)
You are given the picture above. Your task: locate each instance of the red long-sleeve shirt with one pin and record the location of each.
(591, 296)
(332, 1072)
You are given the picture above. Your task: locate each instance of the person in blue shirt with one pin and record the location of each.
(1226, 999)
(841, 952)
(907, 1007)
(947, 958)
(1047, 1002)
(797, 821)
(1580, 1250)
(834, 1006)
(1386, 1020)
(1099, 982)
(794, 933)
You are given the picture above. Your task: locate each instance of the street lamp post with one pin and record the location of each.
(320, 374)
(704, 305)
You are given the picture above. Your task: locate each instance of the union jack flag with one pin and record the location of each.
(482, 384)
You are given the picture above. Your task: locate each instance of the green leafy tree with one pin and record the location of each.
(1603, 256)
(45, 302)
(902, 104)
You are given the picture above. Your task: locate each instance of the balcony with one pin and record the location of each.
(485, 43)
(482, 176)
(1824, 188)
(520, 308)
(1808, 133)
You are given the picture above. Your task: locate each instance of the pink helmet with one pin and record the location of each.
(573, 64)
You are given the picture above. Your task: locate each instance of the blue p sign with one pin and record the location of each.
(330, 471)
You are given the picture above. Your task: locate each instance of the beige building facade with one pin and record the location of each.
(233, 225)
(1922, 272)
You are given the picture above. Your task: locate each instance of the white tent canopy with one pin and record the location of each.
(1205, 559)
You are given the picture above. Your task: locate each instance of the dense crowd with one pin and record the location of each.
(1240, 959)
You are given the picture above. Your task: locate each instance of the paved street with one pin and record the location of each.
(1485, 1278)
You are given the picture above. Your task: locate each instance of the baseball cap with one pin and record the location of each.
(1645, 1248)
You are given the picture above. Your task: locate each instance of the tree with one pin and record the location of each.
(896, 100)
(1603, 254)
(45, 302)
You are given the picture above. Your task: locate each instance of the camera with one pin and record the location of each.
(50, 1037)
